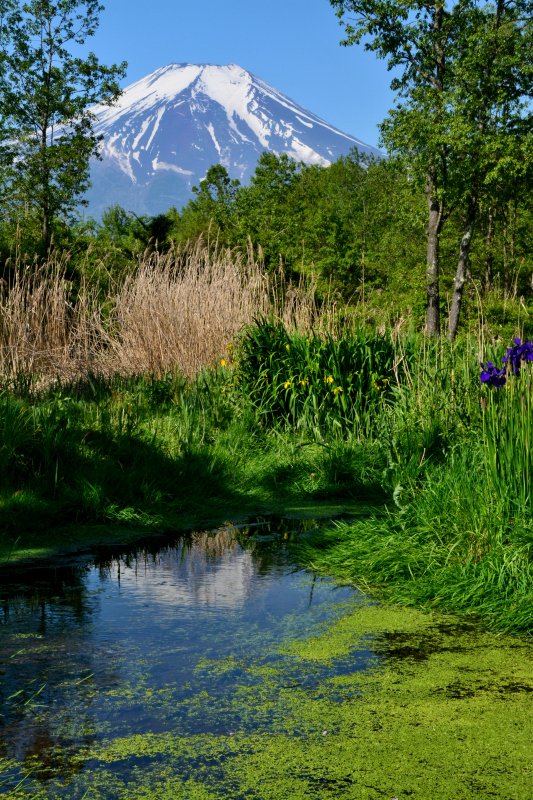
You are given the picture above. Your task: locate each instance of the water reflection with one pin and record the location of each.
(211, 572)
(119, 641)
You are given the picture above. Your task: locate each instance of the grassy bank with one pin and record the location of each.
(397, 425)
(119, 408)
(157, 454)
(450, 547)
(459, 535)
(454, 462)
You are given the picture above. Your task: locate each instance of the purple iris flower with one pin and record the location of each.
(492, 376)
(522, 351)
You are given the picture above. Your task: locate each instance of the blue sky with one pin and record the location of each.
(291, 44)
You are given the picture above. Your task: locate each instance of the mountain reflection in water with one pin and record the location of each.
(214, 573)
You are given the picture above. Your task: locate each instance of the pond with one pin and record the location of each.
(130, 641)
(209, 666)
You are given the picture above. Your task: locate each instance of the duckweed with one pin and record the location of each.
(443, 712)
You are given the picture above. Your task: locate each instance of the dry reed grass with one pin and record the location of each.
(41, 331)
(174, 311)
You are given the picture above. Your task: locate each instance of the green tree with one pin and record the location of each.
(414, 35)
(216, 194)
(45, 98)
(269, 210)
(492, 125)
(362, 223)
(465, 72)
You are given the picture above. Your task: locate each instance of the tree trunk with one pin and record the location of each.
(435, 205)
(462, 267)
(46, 230)
(505, 261)
(432, 275)
(45, 188)
(509, 227)
(489, 243)
(512, 260)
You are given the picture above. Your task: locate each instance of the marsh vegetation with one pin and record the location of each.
(201, 387)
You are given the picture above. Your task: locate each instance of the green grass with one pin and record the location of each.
(104, 458)
(319, 383)
(457, 459)
(507, 437)
(449, 547)
(412, 434)
(460, 535)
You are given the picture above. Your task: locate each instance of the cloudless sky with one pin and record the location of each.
(291, 44)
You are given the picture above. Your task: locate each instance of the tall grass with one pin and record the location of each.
(44, 330)
(180, 312)
(458, 532)
(177, 311)
(371, 384)
(156, 454)
(508, 443)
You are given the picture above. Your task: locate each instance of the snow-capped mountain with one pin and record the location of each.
(169, 127)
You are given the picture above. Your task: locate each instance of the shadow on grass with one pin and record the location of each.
(340, 471)
(98, 478)
(116, 462)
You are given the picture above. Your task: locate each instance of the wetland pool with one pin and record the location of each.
(209, 666)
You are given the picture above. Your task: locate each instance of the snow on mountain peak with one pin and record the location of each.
(170, 126)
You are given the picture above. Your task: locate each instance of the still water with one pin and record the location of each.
(160, 638)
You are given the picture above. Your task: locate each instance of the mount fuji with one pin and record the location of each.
(170, 127)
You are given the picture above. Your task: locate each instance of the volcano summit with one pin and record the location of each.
(168, 128)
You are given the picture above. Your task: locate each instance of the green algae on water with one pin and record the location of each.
(444, 713)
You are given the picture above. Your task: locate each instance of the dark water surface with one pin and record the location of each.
(126, 640)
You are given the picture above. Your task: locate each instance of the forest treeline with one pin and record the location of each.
(358, 226)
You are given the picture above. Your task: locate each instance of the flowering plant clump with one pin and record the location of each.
(316, 380)
(507, 430)
(521, 351)
(515, 355)
(492, 376)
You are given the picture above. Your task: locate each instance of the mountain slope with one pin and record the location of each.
(169, 127)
